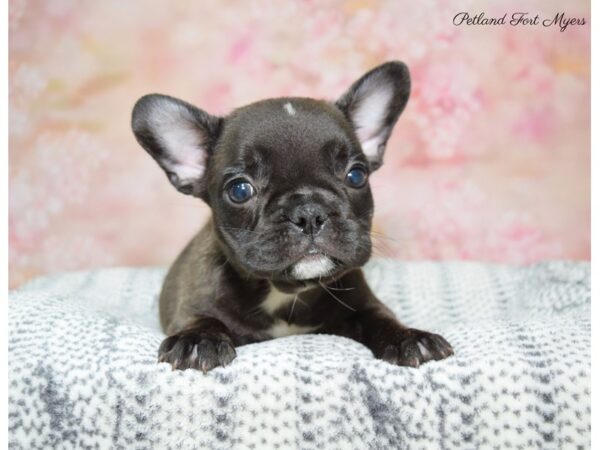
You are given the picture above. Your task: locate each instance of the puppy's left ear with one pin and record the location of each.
(373, 105)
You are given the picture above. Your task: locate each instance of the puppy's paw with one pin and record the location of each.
(416, 347)
(193, 349)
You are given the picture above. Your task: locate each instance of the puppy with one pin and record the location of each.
(287, 180)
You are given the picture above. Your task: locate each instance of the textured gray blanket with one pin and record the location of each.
(83, 371)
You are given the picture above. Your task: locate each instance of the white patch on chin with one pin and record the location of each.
(312, 267)
(289, 109)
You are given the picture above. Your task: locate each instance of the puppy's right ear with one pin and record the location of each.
(178, 136)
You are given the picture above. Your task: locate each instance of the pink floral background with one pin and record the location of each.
(490, 161)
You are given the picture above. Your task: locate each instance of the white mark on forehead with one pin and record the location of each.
(289, 109)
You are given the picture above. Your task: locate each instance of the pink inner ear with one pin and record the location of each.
(370, 147)
(186, 152)
(181, 138)
(186, 172)
(369, 117)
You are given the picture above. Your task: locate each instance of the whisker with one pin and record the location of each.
(331, 293)
(340, 289)
(379, 235)
(223, 265)
(382, 250)
(375, 250)
(292, 309)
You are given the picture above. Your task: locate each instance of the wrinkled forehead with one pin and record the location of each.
(288, 132)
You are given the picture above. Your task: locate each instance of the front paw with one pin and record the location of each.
(193, 349)
(415, 347)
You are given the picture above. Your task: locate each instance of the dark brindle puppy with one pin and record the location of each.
(287, 182)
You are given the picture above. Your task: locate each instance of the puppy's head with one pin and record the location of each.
(287, 179)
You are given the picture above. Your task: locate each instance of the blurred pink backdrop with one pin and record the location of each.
(490, 161)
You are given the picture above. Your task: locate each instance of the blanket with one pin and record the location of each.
(83, 370)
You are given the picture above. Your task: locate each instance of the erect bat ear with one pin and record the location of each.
(179, 136)
(373, 105)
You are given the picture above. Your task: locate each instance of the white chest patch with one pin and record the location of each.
(275, 300)
(281, 328)
(289, 109)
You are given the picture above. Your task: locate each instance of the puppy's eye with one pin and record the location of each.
(240, 191)
(357, 177)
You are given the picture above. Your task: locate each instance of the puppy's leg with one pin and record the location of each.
(204, 344)
(391, 341)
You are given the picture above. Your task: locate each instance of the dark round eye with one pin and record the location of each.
(357, 177)
(240, 191)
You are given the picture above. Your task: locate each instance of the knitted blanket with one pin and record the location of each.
(83, 370)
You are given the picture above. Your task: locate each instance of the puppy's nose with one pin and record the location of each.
(308, 217)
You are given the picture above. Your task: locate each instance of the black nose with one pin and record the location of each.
(308, 217)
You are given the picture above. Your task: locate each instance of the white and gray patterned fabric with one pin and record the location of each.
(83, 371)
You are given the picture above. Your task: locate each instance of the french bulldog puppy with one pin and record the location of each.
(287, 180)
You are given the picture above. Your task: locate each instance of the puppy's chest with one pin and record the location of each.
(284, 308)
